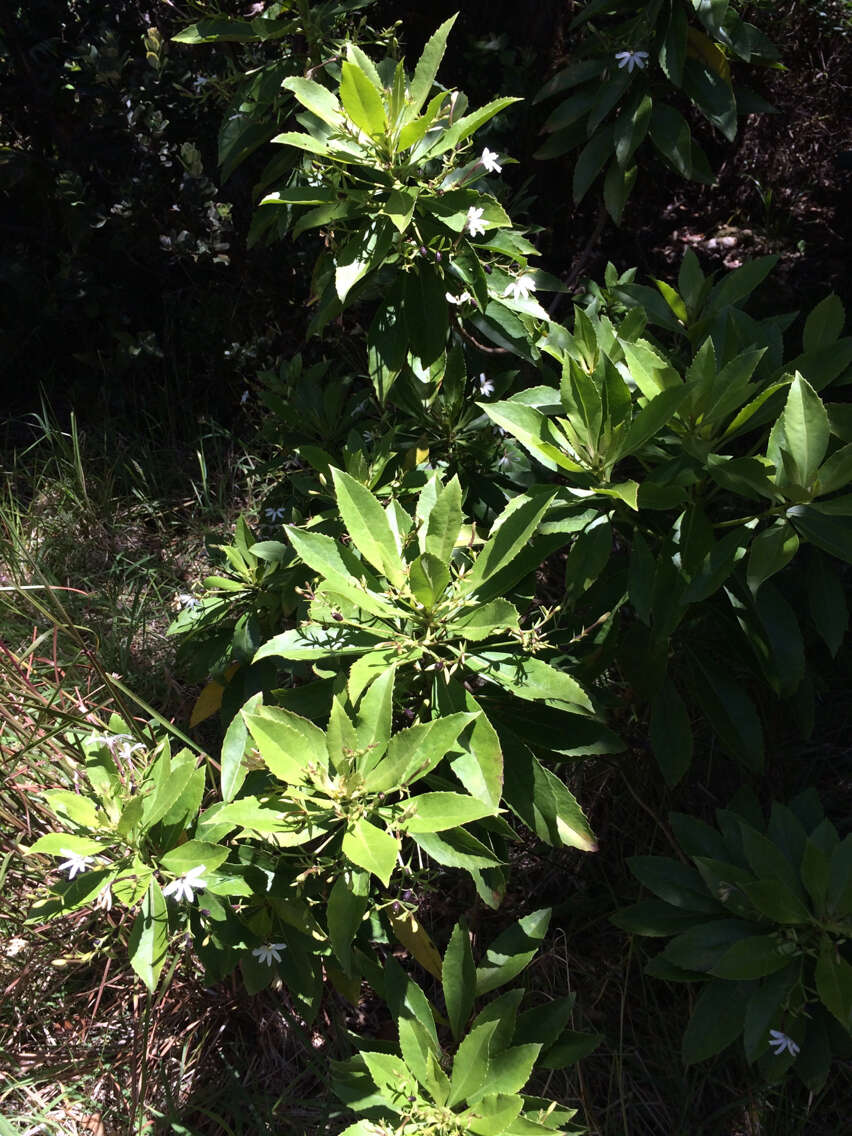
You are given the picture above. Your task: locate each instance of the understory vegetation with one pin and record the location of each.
(425, 535)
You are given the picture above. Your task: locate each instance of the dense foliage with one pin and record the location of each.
(499, 545)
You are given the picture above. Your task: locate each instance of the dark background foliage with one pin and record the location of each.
(125, 283)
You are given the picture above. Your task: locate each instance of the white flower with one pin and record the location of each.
(462, 299)
(244, 397)
(631, 59)
(104, 898)
(474, 221)
(520, 289)
(269, 952)
(182, 887)
(489, 160)
(75, 862)
(186, 600)
(121, 746)
(276, 514)
(779, 1042)
(486, 386)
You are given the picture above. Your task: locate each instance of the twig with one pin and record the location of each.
(581, 260)
(465, 334)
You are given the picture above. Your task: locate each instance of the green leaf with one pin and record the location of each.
(716, 1021)
(233, 31)
(671, 733)
(347, 905)
(658, 411)
(653, 918)
(415, 1045)
(754, 957)
(314, 642)
(361, 100)
(542, 801)
(701, 946)
(316, 98)
(573, 1046)
(486, 620)
(509, 537)
(454, 135)
(426, 316)
(763, 1007)
(470, 1067)
(815, 874)
(827, 602)
(441, 531)
(149, 937)
(428, 578)
(739, 284)
(534, 431)
(375, 715)
(591, 161)
(58, 843)
(368, 525)
(427, 67)
(492, 1114)
(531, 679)
(458, 978)
(776, 902)
(839, 894)
(824, 324)
(671, 135)
(456, 848)
(630, 129)
(733, 716)
(799, 439)
(673, 48)
(390, 1075)
(771, 550)
(287, 742)
(233, 769)
(194, 854)
(508, 1070)
(341, 568)
(834, 983)
(672, 299)
(413, 752)
(673, 882)
(833, 534)
(400, 206)
(587, 558)
(617, 187)
(479, 766)
(372, 849)
(836, 472)
(512, 951)
(435, 812)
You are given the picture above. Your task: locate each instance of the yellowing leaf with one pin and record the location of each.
(700, 47)
(207, 703)
(416, 942)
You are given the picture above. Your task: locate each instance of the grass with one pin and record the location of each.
(98, 533)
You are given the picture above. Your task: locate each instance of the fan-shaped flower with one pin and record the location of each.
(184, 886)
(271, 951)
(631, 59)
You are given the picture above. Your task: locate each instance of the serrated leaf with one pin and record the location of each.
(434, 812)
(372, 849)
(287, 742)
(361, 100)
(368, 525)
(149, 937)
(458, 978)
